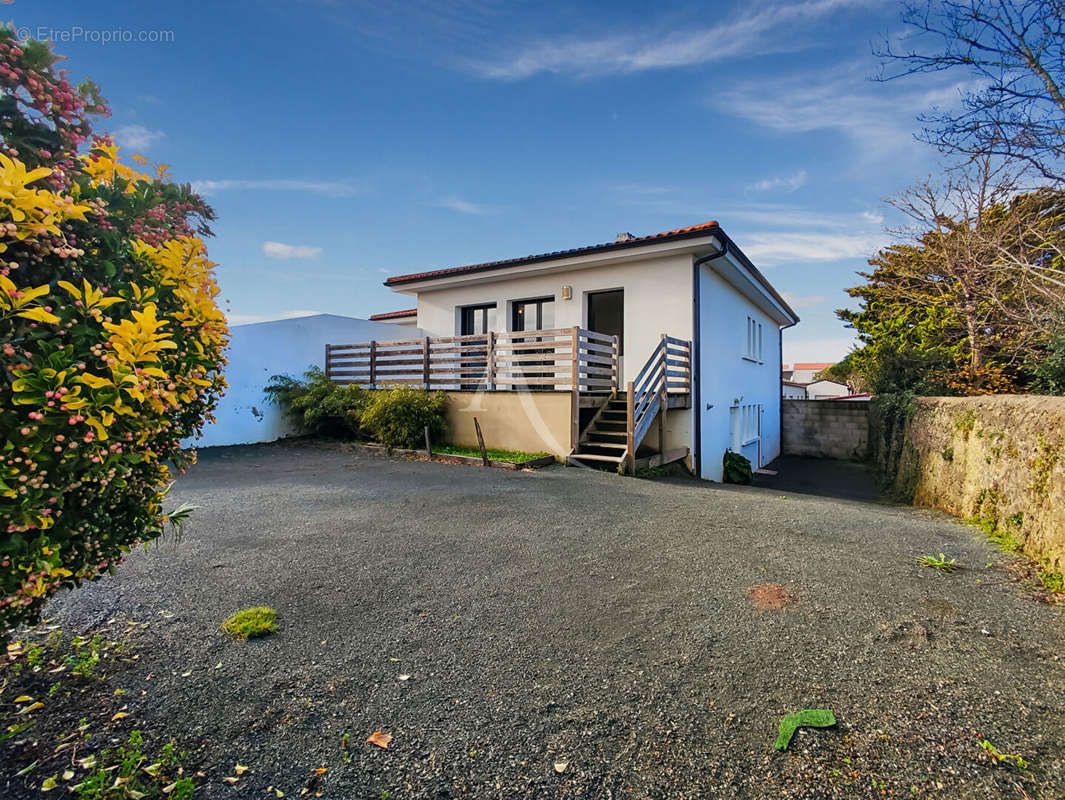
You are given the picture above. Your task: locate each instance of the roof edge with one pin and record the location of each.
(680, 234)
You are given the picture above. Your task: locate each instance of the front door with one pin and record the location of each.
(606, 315)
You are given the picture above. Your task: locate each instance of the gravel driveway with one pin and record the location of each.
(577, 619)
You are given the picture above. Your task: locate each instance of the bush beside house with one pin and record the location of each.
(110, 334)
(395, 417)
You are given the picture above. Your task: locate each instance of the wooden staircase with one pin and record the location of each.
(614, 434)
(605, 439)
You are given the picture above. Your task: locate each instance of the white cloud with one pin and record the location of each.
(136, 136)
(880, 119)
(807, 301)
(771, 248)
(282, 250)
(298, 312)
(784, 184)
(874, 217)
(771, 29)
(330, 188)
(250, 319)
(465, 207)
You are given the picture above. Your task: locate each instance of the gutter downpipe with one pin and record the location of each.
(697, 401)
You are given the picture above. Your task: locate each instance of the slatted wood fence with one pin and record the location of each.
(564, 359)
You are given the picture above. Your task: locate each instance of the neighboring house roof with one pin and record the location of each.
(623, 242)
(409, 312)
(796, 384)
(817, 366)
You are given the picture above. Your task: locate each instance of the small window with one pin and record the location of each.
(755, 339)
(477, 319)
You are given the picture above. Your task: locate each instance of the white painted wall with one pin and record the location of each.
(286, 347)
(729, 380)
(657, 301)
(825, 390)
(792, 392)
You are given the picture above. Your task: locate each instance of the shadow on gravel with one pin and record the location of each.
(825, 477)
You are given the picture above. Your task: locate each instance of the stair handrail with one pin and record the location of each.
(644, 400)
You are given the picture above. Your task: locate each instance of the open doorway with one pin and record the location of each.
(606, 315)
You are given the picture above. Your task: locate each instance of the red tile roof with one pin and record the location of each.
(691, 231)
(410, 312)
(812, 366)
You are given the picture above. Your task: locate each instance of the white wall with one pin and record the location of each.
(825, 390)
(728, 379)
(256, 352)
(792, 392)
(657, 301)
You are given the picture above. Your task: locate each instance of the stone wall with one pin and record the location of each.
(826, 429)
(997, 459)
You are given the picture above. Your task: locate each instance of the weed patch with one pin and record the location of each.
(942, 563)
(251, 623)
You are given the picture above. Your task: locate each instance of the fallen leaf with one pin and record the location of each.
(218, 665)
(186, 674)
(239, 769)
(25, 698)
(49, 784)
(320, 770)
(230, 779)
(380, 739)
(279, 793)
(34, 707)
(404, 677)
(153, 769)
(560, 766)
(68, 774)
(119, 715)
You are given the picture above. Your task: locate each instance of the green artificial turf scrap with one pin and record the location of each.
(807, 718)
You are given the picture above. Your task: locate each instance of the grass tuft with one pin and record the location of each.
(943, 564)
(251, 623)
(1053, 581)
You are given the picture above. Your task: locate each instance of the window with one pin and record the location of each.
(533, 315)
(477, 319)
(753, 350)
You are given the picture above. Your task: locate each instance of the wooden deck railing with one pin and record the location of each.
(564, 359)
(667, 371)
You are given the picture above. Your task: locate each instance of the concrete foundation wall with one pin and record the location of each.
(826, 429)
(998, 459)
(528, 421)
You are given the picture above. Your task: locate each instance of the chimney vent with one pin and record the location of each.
(624, 236)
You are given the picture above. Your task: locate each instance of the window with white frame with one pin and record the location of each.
(749, 427)
(753, 349)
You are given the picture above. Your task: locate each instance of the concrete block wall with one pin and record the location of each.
(826, 429)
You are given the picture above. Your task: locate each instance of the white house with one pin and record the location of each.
(792, 390)
(826, 390)
(641, 350)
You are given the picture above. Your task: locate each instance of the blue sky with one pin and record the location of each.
(341, 141)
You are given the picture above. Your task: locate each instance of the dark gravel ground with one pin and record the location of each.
(577, 617)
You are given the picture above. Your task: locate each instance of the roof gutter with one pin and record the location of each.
(697, 403)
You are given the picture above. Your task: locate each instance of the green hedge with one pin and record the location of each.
(395, 417)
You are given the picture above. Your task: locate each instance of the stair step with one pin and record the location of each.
(593, 457)
(611, 434)
(605, 445)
